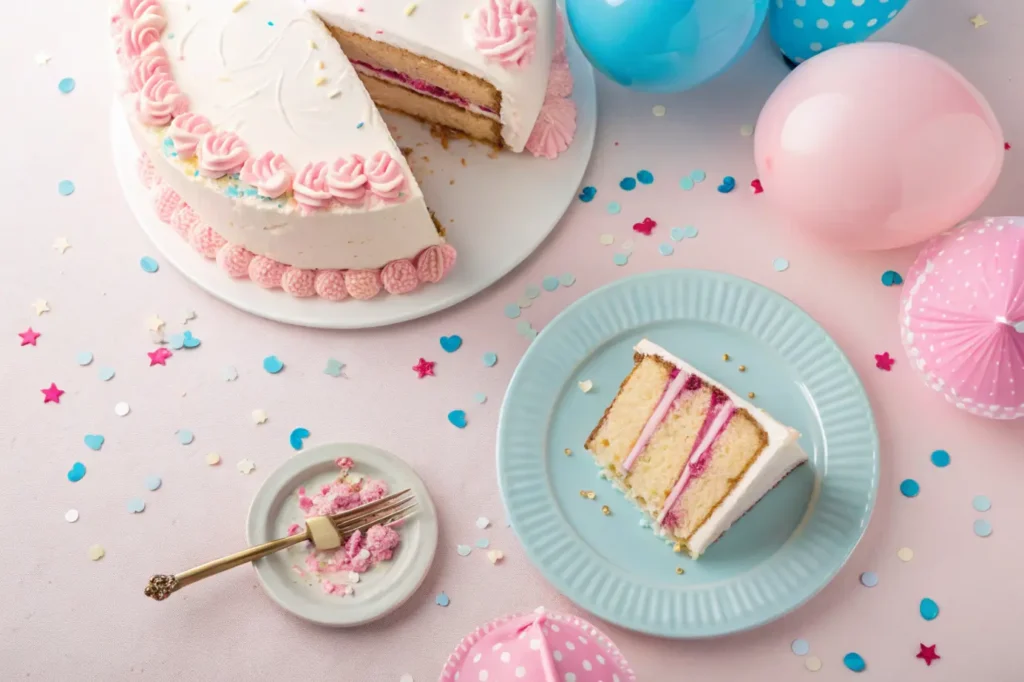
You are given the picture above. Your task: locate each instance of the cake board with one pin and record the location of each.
(483, 211)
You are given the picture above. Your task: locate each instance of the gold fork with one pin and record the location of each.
(325, 532)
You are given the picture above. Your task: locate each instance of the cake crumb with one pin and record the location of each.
(313, 45)
(320, 81)
(463, 161)
(679, 570)
(751, 395)
(742, 368)
(677, 548)
(568, 452)
(409, 9)
(451, 182)
(606, 510)
(725, 356)
(239, 5)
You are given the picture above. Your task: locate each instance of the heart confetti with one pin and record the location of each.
(452, 343)
(94, 441)
(297, 437)
(458, 419)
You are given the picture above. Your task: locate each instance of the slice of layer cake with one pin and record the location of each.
(688, 451)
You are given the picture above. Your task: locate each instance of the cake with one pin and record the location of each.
(264, 147)
(690, 453)
(537, 647)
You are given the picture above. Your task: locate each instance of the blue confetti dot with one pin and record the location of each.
(480, 398)
(149, 264)
(270, 23)
(567, 280)
(66, 188)
(490, 359)
(690, 232)
(780, 264)
(982, 528)
(523, 327)
(620, 259)
(666, 249)
(645, 177)
(272, 364)
(442, 600)
(587, 194)
(628, 184)
(728, 184)
(153, 483)
(854, 662)
(686, 183)
(512, 311)
(185, 436)
(359, 125)
(457, 418)
(929, 609)
(84, 358)
(868, 578)
(800, 647)
(550, 283)
(106, 373)
(676, 233)
(66, 85)
(614, 208)
(136, 505)
(77, 472)
(296, 438)
(891, 278)
(910, 488)
(940, 458)
(483, 543)
(981, 503)
(698, 176)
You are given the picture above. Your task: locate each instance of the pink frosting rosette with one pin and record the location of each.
(506, 32)
(139, 35)
(385, 176)
(150, 63)
(330, 285)
(221, 153)
(166, 202)
(206, 240)
(270, 174)
(147, 171)
(310, 188)
(133, 10)
(399, 277)
(186, 131)
(266, 272)
(434, 262)
(555, 128)
(184, 221)
(160, 100)
(347, 180)
(362, 284)
(235, 260)
(560, 80)
(298, 282)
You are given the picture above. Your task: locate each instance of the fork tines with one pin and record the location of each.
(384, 511)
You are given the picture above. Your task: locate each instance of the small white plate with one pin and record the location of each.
(498, 212)
(381, 589)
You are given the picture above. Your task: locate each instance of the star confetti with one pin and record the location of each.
(246, 466)
(188, 316)
(61, 244)
(51, 394)
(42, 59)
(334, 367)
(41, 306)
(424, 368)
(154, 323)
(927, 654)
(259, 416)
(645, 227)
(884, 362)
(978, 21)
(159, 357)
(28, 337)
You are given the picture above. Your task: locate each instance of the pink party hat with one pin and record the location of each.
(962, 316)
(537, 647)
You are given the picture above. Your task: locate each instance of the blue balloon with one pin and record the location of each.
(664, 45)
(804, 28)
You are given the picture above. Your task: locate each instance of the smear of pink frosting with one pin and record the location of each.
(385, 177)
(347, 180)
(140, 34)
(506, 32)
(152, 62)
(310, 188)
(221, 153)
(270, 174)
(160, 100)
(555, 128)
(560, 80)
(186, 131)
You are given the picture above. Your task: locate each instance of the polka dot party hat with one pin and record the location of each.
(804, 28)
(537, 647)
(962, 316)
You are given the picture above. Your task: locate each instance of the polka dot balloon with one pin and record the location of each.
(962, 316)
(803, 28)
(537, 647)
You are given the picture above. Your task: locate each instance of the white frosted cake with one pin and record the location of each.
(264, 146)
(689, 452)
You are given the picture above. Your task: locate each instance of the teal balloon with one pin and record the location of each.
(804, 28)
(664, 45)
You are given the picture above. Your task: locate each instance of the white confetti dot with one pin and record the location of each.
(520, 671)
(813, 663)
(587, 665)
(505, 657)
(535, 644)
(557, 655)
(570, 677)
(213, 459)
(821, 23)
(483, 522)
(71, 515)
(658, 110)
(905, 554)
(96, 552)
(476, 659)
(482, 676)
(815, 47)
(122, 409)
(570, 646)
(872, 22)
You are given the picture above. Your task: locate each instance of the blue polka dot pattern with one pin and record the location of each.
(803, 29)
(910, 488)
(940, 458)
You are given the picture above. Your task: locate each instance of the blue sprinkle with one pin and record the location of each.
(66, 188)
(136, 505)
(94, 441)
(550, 283)
(567, 280)
(614, 208)
(686, 183)
(84, 358)
(910, 488)
(728, 184)
(512, 311)
(676, 233)
(450, 344)
(483, 543)
(232, 191)
(270, 23)
(587, 194)
(929, 609)
(940, 458)
(149, 264)
(106, 373)
(982, 528)
(480, 398)
(442, 600)
(272, 364)
(800, 647)
(66, 85)
(170, 36)
(628, 184)
(854, 662)
(77, 472)
(296, 438)
(359, 125)
(532, 291)
(891, 278)
(153, 482)
(168, 142)
(981, 503)
(698, 176)
(458, 418)
(645, 177)
(666, 250)
(868, 578)
(780, 264)
(185, 436)
(252, 192)
(690, 232)
(620, 259)
(490, 359)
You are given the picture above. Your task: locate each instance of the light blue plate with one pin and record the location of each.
(777, 556)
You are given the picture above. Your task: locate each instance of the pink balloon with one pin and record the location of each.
(877, 146)
(962, 316)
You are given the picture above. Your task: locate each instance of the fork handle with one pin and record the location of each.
(162, 586)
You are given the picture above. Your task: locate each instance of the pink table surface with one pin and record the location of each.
(63, 617)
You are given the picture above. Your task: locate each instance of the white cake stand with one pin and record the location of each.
(497, 212)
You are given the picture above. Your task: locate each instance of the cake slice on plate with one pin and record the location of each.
(687, 451)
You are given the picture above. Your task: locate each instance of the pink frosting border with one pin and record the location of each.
(555, 128)
(401, 276)
(452, 665)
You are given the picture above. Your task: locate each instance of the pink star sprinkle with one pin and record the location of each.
(755, 186)
(28, 337)
(159, 357)
(884, 362)
(424, 368)
(927, 654)
(645, 227)
(51, 394)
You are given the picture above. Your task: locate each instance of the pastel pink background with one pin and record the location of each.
(63, 617)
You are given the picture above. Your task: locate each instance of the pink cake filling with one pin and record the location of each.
(423, 87)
